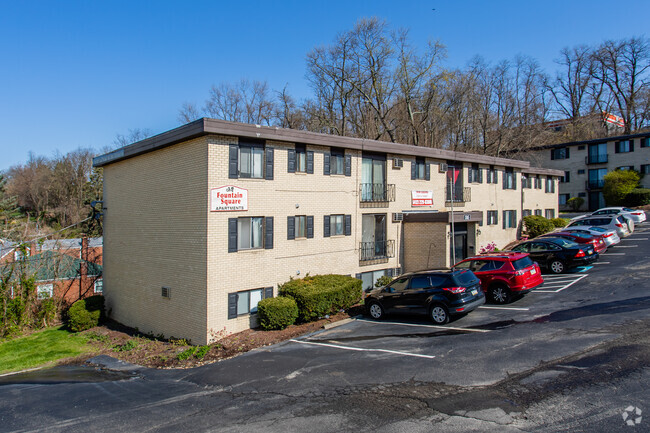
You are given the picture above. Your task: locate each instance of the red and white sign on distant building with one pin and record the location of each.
(613, 119)
(228, 198)
(421, 198)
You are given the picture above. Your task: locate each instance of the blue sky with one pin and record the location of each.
(76, 73)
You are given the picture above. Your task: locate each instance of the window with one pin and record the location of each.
(538, 182)
(300, 160)
(250, 233)
(337, 225)
(582, 194)
(645, 169)
(538, 212)
(509, 219)
(509, 179)
(625, 167)
(250, 160)
(369, 279)
(45, 291)
(645, 142)
(492, 175)
(581, 172)
(549, 213)
(420, 170)
(597, 153)
(526, 182)
(563, 198)
(475, 174)
(562, 153)
(99, 286)
(300, 226)
(566, 178)
(581, 147)
(550, 184)
(624, 146)
(454, 181)
(336, 162)
(596, 178)
(245, 302)
(527, 212)
(492, 217)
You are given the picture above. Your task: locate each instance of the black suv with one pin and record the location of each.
(439, 294)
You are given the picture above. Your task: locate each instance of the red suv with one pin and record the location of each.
(504, 275)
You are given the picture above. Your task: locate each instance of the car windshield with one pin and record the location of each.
(522, 263)
(627, 209)
(598, 229)
(564, 243)
(464, 278)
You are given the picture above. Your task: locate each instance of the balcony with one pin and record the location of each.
(376, 192)
(371, 253)
(596, 159)
(459, 198)
(594, 184)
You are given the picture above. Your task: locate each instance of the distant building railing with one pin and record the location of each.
(376, 192)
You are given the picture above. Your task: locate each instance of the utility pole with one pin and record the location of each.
(452, 191)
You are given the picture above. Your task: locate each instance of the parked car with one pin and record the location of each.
(622, 216)
(437, 293)
(557, 255)
(610, 222)
(609, 236)
(637, 215)
(504, 275)
(581, 238)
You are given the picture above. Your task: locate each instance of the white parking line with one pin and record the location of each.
(359, 349)
(504, 308)
(562, 288)
(640, 239)
(423, 326)
(602, 263)
(615, 254)
(627, 246)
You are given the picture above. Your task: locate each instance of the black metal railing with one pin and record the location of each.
(596, 159)
(376, 192)
(376, 250)
(594, 184)
(459, 195)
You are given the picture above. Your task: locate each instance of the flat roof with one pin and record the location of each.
(206, 126)
(594, 141)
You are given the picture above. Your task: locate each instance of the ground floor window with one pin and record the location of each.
(549, 213)
(99, 286)
(245, 301)
(509, 219)
(249, 233)
(563, 199)
(527, 212)
(369, 279)
(492, 217)
(538, 212)
(45, 291)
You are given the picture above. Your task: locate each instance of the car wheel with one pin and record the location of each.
(500, 294)
(439, 315)
(557, 267)
(376, 311)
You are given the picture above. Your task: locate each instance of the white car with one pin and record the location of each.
(638, 216)
(609, 236)
(609, 222)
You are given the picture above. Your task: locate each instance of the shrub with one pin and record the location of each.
(638, 197)
(322, 294)
(277, 313)
(537, 225)
(126, 347)
(560, 222)
(382, 281)
(86, 313)
(575, 203)
(618, 184)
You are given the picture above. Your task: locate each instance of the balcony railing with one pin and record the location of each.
(596, 159)
(376, 251)
(594, 184)
(459, 196)
(376, 192)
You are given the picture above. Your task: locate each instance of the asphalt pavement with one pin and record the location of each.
(569, 356)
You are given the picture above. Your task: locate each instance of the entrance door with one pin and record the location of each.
(460, 243)
(373, 236)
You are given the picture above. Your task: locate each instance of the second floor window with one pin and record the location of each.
(250, 160)
(624, 146)
(562, 153)
(509, 179)
(550, 185)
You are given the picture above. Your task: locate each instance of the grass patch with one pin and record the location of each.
(41, 348)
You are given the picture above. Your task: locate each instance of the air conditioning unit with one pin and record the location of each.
(397, 217)
(443, 167)
(398, 163)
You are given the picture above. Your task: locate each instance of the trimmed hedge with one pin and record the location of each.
(638, 197)
(322, 294)
(277, 313)
(537, 225)
(86, 313)
(560, 222)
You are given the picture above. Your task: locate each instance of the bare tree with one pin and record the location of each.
(133, 136)
(246, 102)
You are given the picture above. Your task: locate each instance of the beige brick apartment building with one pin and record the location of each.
(203, 221)
(585, 163)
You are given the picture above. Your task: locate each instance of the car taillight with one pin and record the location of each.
(454, 289)
(581, 253)
(607, 235)
(637, 213)
(619, 225)
(521, 272)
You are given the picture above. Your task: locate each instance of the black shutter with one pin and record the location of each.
(269, 163)
(310, 162)
(514, 180)
(469, 174)
(617, 147)
(566, 154)
(496, 176)
(348, 165)
(291, 227)
(631, 145)
(268, 292)
(414, 169)
(326, 226)
(480, 175)
(326, 164)
(552, 154)
(348, 225)
(310, 227)
(232, 235)
(291, 161)
(268, 238)
(233, 163)
(505, 180)
(357, 276)
(504, 219)
(232, 305)
(427, 171)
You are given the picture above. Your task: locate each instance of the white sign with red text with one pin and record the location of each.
(228, 198)
(421, 198)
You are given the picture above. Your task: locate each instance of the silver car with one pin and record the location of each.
(610, 222)
(637, 215)
(609, 236)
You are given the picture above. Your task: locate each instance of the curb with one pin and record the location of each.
(341, 322)
(110, 363)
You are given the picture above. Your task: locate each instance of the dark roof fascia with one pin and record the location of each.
(594, 141)
(207, 126)
(443, 217)
(544, 171)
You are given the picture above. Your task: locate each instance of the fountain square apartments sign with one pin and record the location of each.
(228, 198)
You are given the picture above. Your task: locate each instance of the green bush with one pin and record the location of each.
(86, 313)
(322, 294)
(575, 203)
(638, 197)
(558, 223)
(537, 225)
(382, 281)
(618, 184)
(277, 313)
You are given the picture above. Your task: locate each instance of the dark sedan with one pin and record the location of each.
(439, 294)
(557, 254)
